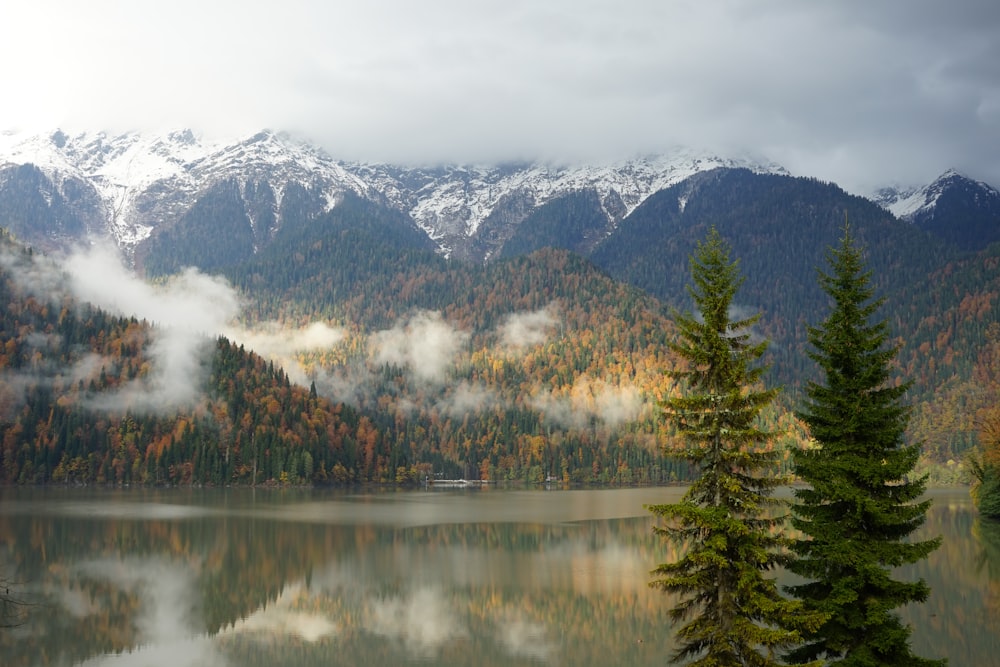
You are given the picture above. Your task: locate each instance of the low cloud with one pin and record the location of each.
(350, 384)
(521, 330)
(281, 344)
(467, 398)
(190, 301)
(425, 344)
(271, 339)
(189, 309)
(589, 401)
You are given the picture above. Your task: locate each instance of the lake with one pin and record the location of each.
(191, 577)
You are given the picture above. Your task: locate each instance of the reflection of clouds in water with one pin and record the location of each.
(607, 566)
(133, 510)
(190, 652)
(524, 638)
(166, 590)
(279, 619)
(166, 618)
(419, 621)
(423, 621)
(77, 603)
(341, 576)
(611, 569)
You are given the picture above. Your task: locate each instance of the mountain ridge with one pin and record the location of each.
(140, 182)
(128, 186)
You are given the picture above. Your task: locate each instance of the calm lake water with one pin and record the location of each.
(485, 577)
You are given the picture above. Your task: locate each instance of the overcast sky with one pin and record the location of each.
(861, 92)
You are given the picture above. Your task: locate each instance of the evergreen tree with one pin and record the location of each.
(984, 460)
(734, 612)
(860, 507)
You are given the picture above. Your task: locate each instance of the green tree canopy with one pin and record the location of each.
(860, 506)
(733, 612)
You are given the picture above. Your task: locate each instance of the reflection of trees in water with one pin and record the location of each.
(267, 591)
(987, 533)
(13, 604)
(258, 587)
(956, 615)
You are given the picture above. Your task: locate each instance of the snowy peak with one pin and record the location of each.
(144, 180)
(908, 202)
(453, 203)
(130, 185)
(959, 209)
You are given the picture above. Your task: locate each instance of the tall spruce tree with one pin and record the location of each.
(860, 506)
(732, 610)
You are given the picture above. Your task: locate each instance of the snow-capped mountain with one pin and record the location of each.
(955, 207)
(130, 185)
(453, 203)
(142, 181)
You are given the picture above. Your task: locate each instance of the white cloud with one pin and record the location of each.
(425, 344)
(849, 91)
(188, 311)
(588, 400)
(280, 344)
(521, 330)
(467, 397)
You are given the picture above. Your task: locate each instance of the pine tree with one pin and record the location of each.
(734, 612)
(860, 506)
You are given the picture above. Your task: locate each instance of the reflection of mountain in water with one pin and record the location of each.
(185, 579)
(169, 583)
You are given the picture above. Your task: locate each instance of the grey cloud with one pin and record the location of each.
(856, 92)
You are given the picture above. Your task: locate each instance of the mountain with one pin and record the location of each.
(145, 190)
(506, 321)
(471, 211)
(524, 368)
(956, 208)
(157, 189)
(780, 228)
(132, 186)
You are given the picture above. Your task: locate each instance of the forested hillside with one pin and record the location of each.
(939, 300)
(552, 370)
(543, 363)
(780, 229)
(70, 409)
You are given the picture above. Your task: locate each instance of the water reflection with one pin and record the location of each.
(485, 578)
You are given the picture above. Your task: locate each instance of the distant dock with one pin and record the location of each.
(457, 482)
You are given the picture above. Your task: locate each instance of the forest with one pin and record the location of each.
(551, 360)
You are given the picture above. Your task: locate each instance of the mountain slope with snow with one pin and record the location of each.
(954, 207)
(135, 184)
(453, 203)
(144, 181)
